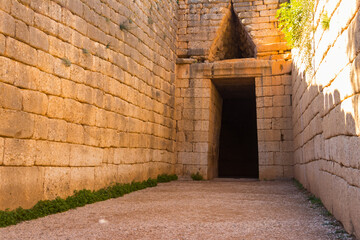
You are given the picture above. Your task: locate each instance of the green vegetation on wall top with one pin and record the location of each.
(295, 18)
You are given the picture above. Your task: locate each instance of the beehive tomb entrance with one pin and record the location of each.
(238, 146)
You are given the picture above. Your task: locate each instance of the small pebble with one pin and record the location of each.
(103, 221)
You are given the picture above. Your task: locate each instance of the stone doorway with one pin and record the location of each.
(199, 104)
(238, 144)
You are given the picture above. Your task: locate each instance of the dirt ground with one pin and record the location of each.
(219, 209)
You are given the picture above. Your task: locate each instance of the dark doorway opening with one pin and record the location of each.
(238, 148)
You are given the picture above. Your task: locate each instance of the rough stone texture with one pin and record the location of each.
(75, 87)
(21, 183)
(198, 115)
(96, 92)
(325, 113)
(200, 21)
(232, 40)
(189, 210)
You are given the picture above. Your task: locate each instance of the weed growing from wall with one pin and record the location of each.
(85, 51)
(325, 21)
(125, 25)
(66, 62)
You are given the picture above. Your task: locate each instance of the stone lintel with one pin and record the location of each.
(235, 68)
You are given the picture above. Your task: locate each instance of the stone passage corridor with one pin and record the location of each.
(219, 209)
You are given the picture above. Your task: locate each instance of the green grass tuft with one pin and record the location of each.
(79, 199)
(66, 62)
(298, 184)
(166, 178)
(314, 200)
(197, 177)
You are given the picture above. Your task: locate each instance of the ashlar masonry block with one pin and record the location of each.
(56, 182)
(16, 124)
(19, 152)
(26, 183)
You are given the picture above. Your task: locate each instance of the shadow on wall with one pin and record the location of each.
(327, 143)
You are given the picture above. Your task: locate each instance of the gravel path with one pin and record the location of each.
(219, 209)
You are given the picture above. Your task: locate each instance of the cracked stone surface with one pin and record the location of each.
(218, 209)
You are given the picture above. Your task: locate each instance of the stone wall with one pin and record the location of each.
(86, 95)
(326, 112)
(199, 22)
(198, 115)
(202, 24)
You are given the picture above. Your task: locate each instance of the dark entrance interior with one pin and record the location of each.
(238, 153)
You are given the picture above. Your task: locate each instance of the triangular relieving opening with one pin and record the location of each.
(232, 40)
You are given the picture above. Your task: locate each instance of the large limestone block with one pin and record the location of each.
(202, 147)
(75, 133)
(271, 172)
(20, 186)
(73, 111)
(85, 156)
(300, 174)
(57, 130)
(16, 124)
(35, 102)
(325, 180)
(108, 157)
(19, 152)
(39, 39)
(10, 97)
(133, 172)
(91, 136)
(269, 146)
(7, 24)
(193, 158)
(55, 107)
(82, 178)
(40, 127)
(282, 100)
(354, 205)
(179, 169)
(266, 158)
(341, 203)
(47, 83)
(286, 146)
(2, 44)
(269, 135)
(182, 71)
(52, 153)
(105, 176)
(200, 125)
(288, 171)
(90, 113)
(281, 67)
(56, 182)
(2, 143)
(22, 12)
(20, 51)
(263, 124)
(45, 61)
(312, 173)
(124, 155)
